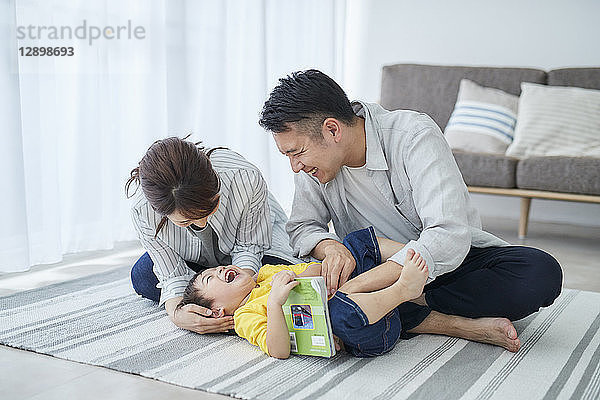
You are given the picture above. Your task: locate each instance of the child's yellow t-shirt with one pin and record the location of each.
(251, 318)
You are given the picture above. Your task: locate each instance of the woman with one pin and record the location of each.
(200, 209)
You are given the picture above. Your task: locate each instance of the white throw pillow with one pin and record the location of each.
(483, 120)
(557, 121)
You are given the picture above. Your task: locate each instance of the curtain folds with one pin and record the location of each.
(73, 127)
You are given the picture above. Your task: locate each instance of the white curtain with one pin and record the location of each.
(73, 127)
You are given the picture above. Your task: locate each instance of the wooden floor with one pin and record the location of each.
(26, 375)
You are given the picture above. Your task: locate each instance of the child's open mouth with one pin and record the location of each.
(230, 275)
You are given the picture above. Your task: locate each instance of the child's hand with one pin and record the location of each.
(281, 285)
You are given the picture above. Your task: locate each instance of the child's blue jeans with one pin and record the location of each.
(351, 324)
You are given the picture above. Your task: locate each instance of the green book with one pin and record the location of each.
(307, 317)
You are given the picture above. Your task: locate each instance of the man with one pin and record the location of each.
(359, 165)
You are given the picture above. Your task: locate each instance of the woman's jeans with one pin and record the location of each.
(511, 282)
(144, 281)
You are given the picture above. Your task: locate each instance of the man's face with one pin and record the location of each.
(321, 159)
(227, 285)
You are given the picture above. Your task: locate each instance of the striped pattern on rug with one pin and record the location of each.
(98, 320)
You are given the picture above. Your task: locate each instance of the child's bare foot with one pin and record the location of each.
(414, 275)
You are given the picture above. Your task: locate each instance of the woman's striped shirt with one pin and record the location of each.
(248, 223)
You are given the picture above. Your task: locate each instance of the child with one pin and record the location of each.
(363, 311)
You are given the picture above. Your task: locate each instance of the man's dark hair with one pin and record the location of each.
(305, 98)
(191, 295)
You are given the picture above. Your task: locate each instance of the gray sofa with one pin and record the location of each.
(433, 90)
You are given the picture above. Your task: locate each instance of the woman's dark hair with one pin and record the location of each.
(306, 98)
(176, 175)
(191, 295)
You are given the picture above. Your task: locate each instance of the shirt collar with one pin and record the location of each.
(375, 157)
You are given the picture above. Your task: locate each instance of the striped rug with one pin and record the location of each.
(97, 320)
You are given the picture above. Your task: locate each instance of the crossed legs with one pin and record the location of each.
(384, 287)
(379, 302)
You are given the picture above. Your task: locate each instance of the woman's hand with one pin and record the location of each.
(281, 285)
(196, 318)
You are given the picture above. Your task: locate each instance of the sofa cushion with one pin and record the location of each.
(560, 174)
(432, 89)
(483, 120)
(557, 121)
(588, 78)
(490, 170)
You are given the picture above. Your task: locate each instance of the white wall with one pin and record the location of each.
(542, 34)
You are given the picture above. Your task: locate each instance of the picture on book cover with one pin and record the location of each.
(302, 316)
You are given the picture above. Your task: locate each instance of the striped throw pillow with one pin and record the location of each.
(557, 121)
(483, 120)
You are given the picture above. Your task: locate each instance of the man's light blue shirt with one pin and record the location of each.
(416, 187)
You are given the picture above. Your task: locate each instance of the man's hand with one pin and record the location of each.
(337, 265)
(196, 318)
(281, 285)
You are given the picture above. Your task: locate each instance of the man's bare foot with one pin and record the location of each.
(496, 331)
(414, 275)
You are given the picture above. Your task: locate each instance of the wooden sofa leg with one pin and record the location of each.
(525, 204)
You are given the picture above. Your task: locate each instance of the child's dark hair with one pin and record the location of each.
(191, 295)
(306, 98)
